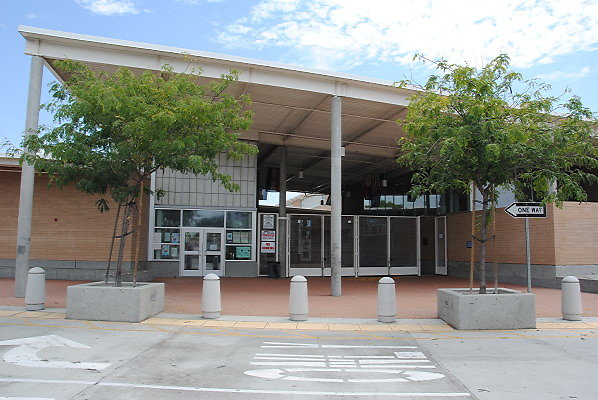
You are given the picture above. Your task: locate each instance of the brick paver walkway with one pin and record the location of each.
(416, 296)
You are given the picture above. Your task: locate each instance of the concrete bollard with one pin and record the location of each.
(387, 300)
(35, 291)
(210, 297)
(571, 299)
(298, 299)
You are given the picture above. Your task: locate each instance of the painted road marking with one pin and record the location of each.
(402, 366)
(227, 390)
(25, 354)
(285, 345)
(26, 398)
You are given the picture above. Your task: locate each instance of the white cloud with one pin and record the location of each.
(562, 75)
(32, 16)
(342, 33)
(109, 7)
(197, 1)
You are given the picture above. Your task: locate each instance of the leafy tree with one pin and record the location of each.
(491, 128)
(112, 131)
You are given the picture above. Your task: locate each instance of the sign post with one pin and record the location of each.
(527, 210)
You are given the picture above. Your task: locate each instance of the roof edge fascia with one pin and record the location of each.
(34, 33)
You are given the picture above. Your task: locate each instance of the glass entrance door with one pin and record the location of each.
(203, 252)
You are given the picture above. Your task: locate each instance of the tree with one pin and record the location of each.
(493, 129)
(112, 131)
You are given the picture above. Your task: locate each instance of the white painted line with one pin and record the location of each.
(27, 398)
(343, 346)
(284, 363)
(252, 391)
(401, 366)
(287, 358)
(366, 362)
(410, 354)
(331, 357)
(283, 345)
(289, 355)
(304, 379)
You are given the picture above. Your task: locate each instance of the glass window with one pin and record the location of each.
(166, 235)
(168, 218)
(238, 219)
(203, 218)
(238, 252)
(240, 237)
(166, 252)
(166, 244)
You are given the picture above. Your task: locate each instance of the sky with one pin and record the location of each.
(553, 40)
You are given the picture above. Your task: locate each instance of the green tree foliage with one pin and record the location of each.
(492, 128)
(112, 131)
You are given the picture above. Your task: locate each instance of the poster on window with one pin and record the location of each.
(268, 247)
(268, 221)
(268, 236)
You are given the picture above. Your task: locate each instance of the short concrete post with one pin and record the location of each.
(387, 300)
(35, 290)
(210, 297)
(571, 299)
(298, 299)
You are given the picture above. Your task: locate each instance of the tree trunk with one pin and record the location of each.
(123, 239)
(472, 254)
(112, 242)
(483, 233)
(137, 235)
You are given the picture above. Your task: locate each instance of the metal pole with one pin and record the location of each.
(527, 251)
(335, 194)
(27, 179)
(282, 212)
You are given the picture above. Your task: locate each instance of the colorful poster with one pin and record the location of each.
(174, 251)
(268, 236)
(175, 237)
(243, 252)
(165, 250)
(268, 247)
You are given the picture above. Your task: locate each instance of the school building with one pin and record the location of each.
(323, 133)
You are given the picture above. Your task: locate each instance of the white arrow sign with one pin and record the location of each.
(25, 354)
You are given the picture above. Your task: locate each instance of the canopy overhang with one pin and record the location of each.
(292, 105)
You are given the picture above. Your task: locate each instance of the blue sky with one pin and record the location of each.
(556, 41)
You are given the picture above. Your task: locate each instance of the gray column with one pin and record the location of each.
(27, 179)
(282, 212)
(335, 196)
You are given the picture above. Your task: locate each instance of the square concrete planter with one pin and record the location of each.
(97, 301)
(509, 309)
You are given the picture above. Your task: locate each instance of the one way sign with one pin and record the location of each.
(526, 210)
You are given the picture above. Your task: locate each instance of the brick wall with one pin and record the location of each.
(66, 224)
(510, 238)
(576, 229)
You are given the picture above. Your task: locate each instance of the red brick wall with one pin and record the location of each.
(510, 238)
(576, 229)
(66, 224)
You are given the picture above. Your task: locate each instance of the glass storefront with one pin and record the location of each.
(238, 225)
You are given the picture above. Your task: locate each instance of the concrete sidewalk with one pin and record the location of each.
(263, 297)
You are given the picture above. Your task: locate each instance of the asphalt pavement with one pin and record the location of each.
(45, 356)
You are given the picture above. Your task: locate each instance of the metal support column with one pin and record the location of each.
(335, 194)
(282, 212)
(27, 179)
